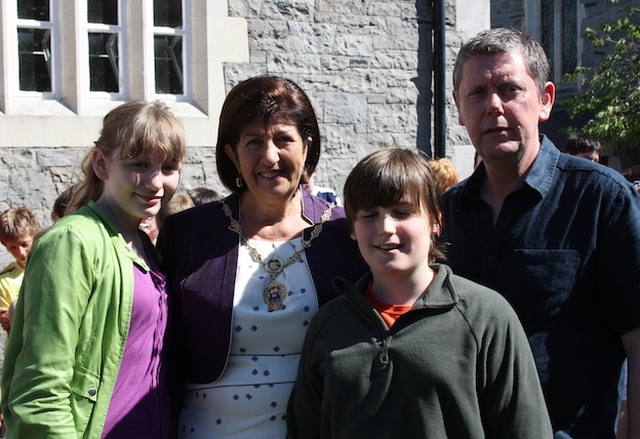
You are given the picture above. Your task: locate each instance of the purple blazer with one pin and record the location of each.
(200, 257)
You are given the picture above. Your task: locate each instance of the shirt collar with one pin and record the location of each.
(539, 177)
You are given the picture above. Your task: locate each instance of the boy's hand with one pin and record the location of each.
(4, 319)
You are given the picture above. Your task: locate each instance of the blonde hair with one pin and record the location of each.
(179, 202)
(445, 173)
(134, 129)
(17, 222)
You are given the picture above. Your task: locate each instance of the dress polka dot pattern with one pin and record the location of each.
(250, 398)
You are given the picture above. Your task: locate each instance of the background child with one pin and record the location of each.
(202, 195)
(86, 355)
(151, 225)
(18, 227)
(325, 193)
(445, 173)
(583, 145)
(411, 350)
(61, 204)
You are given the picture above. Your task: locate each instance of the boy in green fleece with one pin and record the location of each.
(412, 350)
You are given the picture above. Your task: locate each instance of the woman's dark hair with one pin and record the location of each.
(271, 99)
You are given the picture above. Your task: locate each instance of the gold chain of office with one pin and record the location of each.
(275, 292)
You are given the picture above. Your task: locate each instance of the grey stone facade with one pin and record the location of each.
(366, 65)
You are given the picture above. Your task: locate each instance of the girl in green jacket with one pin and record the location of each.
(86, 357)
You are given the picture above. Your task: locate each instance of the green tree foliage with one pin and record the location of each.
(610, 92)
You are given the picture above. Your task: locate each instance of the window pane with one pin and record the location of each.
(33, 10)
(167, 13)
(34, 53)
(569, 36)
(103, 62)
(102, 11)
(548, 33)
(168, 63)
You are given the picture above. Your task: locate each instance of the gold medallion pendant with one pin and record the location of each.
(275, 292)
(274, 295)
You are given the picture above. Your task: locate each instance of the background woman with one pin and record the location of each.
(249, 271)
(86, 356)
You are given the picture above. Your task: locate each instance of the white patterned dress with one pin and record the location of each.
(250, 399)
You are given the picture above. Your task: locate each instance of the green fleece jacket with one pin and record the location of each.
(457, 365)
(69, 330)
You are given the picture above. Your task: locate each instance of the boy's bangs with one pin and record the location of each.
(390, 187)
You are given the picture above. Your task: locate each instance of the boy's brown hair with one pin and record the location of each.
(17, 222)
(385, 177)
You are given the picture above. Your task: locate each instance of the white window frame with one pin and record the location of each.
(12, 98)
(71, 115)
(185, 33)
(122, 31)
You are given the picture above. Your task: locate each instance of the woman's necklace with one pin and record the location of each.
(275, 292)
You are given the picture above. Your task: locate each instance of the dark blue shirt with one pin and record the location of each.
(565, 252)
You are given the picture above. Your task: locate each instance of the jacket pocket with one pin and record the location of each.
(84, 394)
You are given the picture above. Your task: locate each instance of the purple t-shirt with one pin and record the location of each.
(139, 406)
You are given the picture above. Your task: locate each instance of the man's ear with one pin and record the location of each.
(546, 101)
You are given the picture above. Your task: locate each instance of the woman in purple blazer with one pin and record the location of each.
(248, 272)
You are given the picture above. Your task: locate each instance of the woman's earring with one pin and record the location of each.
(238, 182)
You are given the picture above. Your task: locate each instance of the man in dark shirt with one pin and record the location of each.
(558, 236)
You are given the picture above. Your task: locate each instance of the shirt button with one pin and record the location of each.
(491, 259)
(92, 392)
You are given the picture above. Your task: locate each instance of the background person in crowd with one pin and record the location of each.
(86, 356)
(18, 226)
(61, 203)
(632, 174)
(412, 350)
(248, 272)
(202, 195)
(558, 236)
(152, 224)
(445, 173)
(583, 145)
(179, 202)
(325, 193)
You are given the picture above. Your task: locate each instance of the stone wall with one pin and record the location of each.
(366, 65)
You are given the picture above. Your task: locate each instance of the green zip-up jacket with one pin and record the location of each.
(457, 365)
(69, 330)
